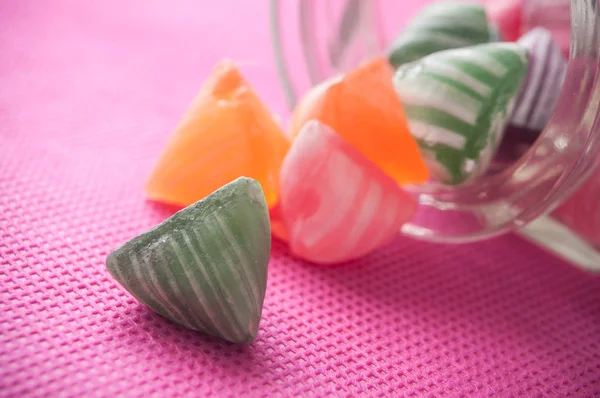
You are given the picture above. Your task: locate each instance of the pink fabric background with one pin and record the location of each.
(88, 95)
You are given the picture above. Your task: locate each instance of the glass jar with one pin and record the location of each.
(316, 40)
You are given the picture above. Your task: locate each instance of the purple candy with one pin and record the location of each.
(541, 87)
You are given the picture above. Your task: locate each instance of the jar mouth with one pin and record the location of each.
(563, 156)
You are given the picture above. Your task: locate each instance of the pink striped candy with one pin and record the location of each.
(507, 16)
(336, 204)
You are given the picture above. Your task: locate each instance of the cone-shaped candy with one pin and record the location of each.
(336, 204)
(541, 87)
(206, 266)
(363, 108)
(226, 133)
(458, 103)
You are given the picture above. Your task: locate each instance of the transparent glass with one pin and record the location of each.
(315, 40)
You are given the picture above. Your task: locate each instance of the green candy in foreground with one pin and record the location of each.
(458, 102)
(442, 26)
(206, 266)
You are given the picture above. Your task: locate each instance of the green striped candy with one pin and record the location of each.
(458, 102)
(441, 26)
(206, 266)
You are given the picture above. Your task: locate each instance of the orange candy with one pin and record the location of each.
(278, 228)
(363, 108)
(226, 133)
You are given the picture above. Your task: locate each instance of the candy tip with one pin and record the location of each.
(112, 265)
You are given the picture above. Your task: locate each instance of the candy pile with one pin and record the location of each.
(436, 109)
(467, 101)
(332, 189)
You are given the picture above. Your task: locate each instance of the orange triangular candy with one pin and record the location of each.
(278, 228)
(226, 133)
(363, 107)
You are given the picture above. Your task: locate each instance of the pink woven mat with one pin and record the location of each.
(88, 95)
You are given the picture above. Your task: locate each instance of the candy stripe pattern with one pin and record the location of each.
(457, 103)
(336, 204)
(545, 75)
(441, 26)
(206, 266)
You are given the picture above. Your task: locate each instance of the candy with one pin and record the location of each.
(364, 109)
(507, 16)
(336, 204)
(278, 228)
(541, 88)
(206, 266)
(441, 26)
(495, 34)
(226, 133)
(458, 102)
(516, 141)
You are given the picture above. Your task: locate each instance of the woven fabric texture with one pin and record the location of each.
(89, 92)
